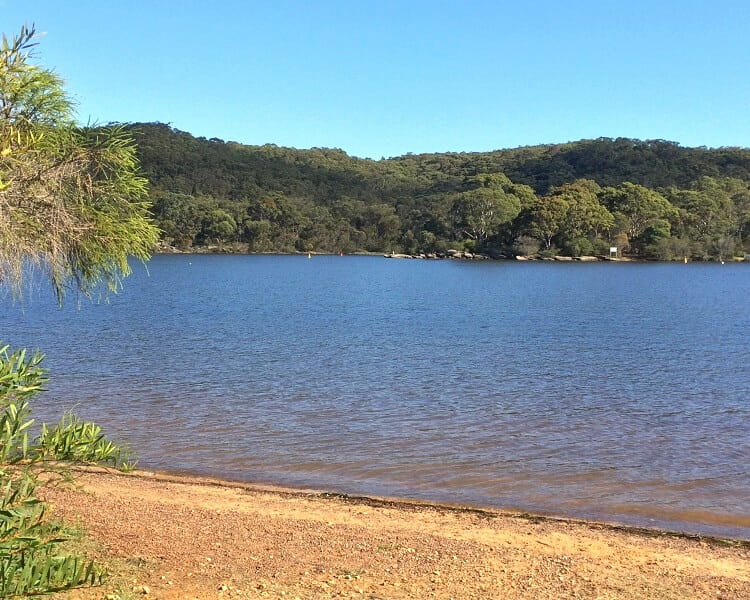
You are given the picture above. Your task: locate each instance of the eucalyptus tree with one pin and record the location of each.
(639, 206)
(585, 215)
(492, 202)
(706, 211)
(546, 218)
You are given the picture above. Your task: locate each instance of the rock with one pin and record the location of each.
(587, 259)
(564, 258)
(522, 258)
(453, 252)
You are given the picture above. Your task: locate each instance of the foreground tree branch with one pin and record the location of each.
(72, 202)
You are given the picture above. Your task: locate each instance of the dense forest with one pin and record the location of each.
(650, 199)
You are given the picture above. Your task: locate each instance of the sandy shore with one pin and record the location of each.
(187, 538)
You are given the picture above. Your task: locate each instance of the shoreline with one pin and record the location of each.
(409, 503)
(450, 255)
(182, 537)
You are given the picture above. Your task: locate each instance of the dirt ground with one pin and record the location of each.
(177, 538)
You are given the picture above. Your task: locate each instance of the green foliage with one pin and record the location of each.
(546, 218)
(526, 246)
(638, 208)
(219, 225)
(672, 248)
(71, 198)
(608, 192)
(585, 215)
(579, 246)
(651, 236)
(31, 558)
(481, 211)
(31, 562)
(73, 440)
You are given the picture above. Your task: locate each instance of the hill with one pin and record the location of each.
(650, 198)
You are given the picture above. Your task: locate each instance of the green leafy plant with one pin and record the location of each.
(32, 558)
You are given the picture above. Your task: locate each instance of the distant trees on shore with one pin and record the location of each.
(650, 199)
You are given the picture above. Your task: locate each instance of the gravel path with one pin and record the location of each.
(187, 538)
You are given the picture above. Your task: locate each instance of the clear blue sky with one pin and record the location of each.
(382, 78)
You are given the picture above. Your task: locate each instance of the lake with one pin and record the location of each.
(618, 392)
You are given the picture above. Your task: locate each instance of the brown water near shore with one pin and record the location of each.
(174, 537)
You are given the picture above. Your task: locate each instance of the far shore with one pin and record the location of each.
(189, 537)
(448, 255)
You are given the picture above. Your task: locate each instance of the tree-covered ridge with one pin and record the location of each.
(651, 163)
(649, 198)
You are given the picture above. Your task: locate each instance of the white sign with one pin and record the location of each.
(613, 250)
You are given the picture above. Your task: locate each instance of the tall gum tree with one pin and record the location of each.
(638, 207)
(706, 209)
(493, 202)
(585, 215)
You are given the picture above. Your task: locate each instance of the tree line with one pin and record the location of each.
(650, 199)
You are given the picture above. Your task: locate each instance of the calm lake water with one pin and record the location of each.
(608, 391)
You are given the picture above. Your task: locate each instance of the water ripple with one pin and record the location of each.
(616, 392)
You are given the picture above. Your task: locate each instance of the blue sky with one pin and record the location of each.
(389, 77)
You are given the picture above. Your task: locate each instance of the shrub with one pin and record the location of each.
(526, 246)
(579, 246)
(32, 561)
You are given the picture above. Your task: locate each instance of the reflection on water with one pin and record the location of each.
(606, 391)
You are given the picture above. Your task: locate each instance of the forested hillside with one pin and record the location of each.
(651, 199)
